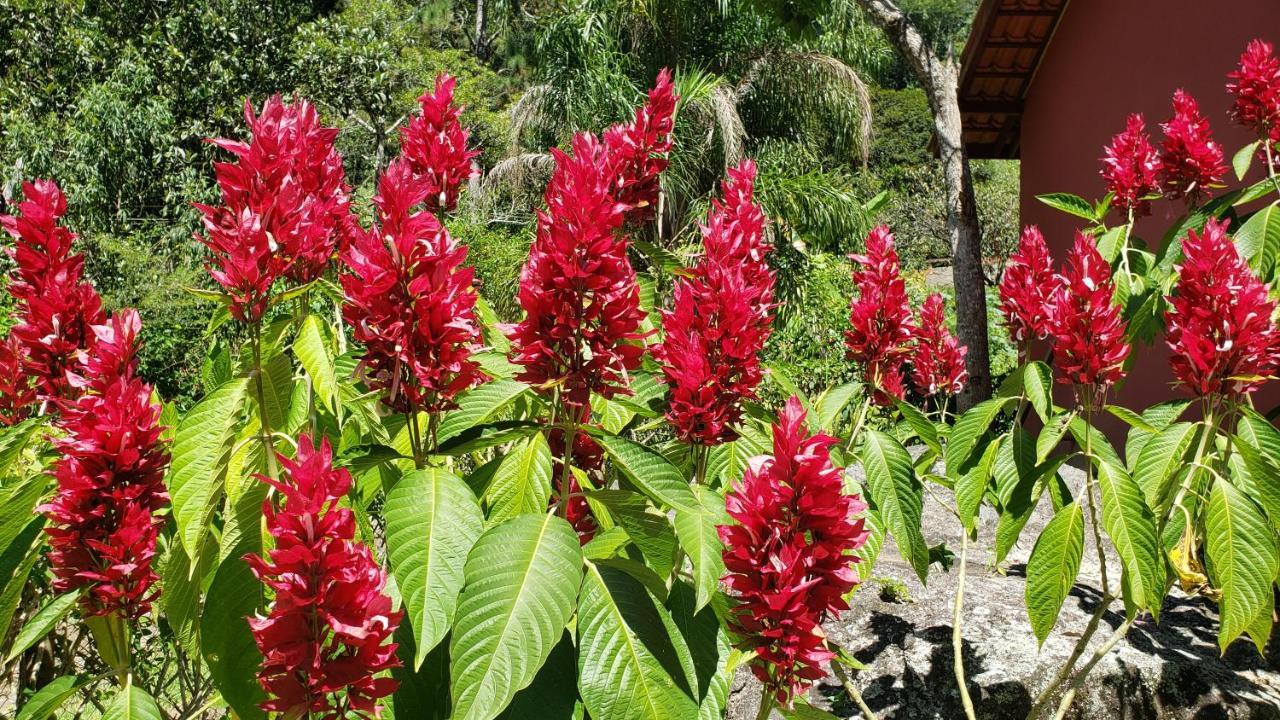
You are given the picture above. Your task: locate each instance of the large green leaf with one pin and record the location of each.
(522, 482)
(522, 581)
(180, 591)
(132, 703)
(1070, 204)
(316, 355)
(1037, 384)
(1243, 562)
(277, 390)
(651, 473)
(479, 405)
(922, 426)
(47, 700)
(1132, 529)
(1052, 568)
(898, 496)
(832, 403)
(968, 430)
(226, 641)
(553, 694)
(201, 448)
(49, 615)
(433, 520)
(1160, 461)
(646, 526)
(696, 530)
(972, 485)
(1158, 416)
(1258, 240)
(16, 561)
(628, 666)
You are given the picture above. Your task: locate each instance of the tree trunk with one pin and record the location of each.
(480, 45)
(940, 78)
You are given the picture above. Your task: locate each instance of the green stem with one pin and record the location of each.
(567, 469)
(1116, 636)
(852, 691)
(415, 437)
(957, 639)
(857, 425)
(766, 703)
(1210, 430)
(268, 447)
(1064, 672)
(1271, 166)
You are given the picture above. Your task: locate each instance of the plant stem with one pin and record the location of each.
(766, 704)
(268, 447)
(415, 436)
(957, 639)
(1271, 166)
(852, 691)
(857, 425)
(1065, 671)
(1210, 430)
(1098, 654)
(566, 469)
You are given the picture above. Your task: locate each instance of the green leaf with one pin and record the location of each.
(47, 700)
(553, 693)
(521, 583)
(479, 405)
(629, 668)
(898, 496)
(226, 642)
(649, 471)
(1051, 435)
(1161, 460)
(1132, 529)
(1110, 243)
(703, 635)
(973, 484)
(1258, 241)
(314, 351)
(1243, 158)
(45, 619)
(1053, 567)
(1259, 478)
(201, 449)
(481, 437)
(832, 403)
(610, 415)
(1243, 561)
(522, 482)
(1132, 419)
(1158, 416)
(1037, 383)
(802, 710)
(433, 520)
(922, 426)
(180, 597)
(132, 703)
(16, 561)
(277, 390)
(970, 428)
(647, 527)
(696, 530)
(1070, 204)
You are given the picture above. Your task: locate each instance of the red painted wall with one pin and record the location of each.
(1113, 57)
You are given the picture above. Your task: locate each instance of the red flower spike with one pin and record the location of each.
(1256, 87)
(1088, 331)
(1026, 289)
(102, 522)
(1129, 167)
(1190, 160)
(638, 150)
(56, 307)
(17, 394)
(285, 205)
(326, 633)
(937, 359)
(435, 144)
(881, 329)
(1222, 334)
(410, 301)
(577, 287)
(721, 319)
(789, 556)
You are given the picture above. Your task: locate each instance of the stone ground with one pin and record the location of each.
(1172, 670)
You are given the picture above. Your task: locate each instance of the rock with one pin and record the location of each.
(1169, 671)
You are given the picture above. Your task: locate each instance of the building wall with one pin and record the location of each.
(1107, 59)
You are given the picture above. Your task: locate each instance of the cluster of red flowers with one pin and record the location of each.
(1256, 87)
(789, 555)
(1026, 289)
(285, 205)
(409, 299)
(56, 307)
(879, 338)
(720, 318)
(937, 360)
(435, 145)
(326, 634)
(638, 151)
(1190, 160)
(102, 522)
(17, 394)
(1130, 166)
(1090, 346)
(1220, 322)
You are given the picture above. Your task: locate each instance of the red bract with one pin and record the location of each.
(409, 299)
(937, 357)
(1256, 87)
(637, 150)
(435, 144)
(721, 319)
(56, 308)
(1088, 331)
(587, 457)
(789, 558)
(1220, 321)
(285, 205)
(17, 394)
(880, 317)
(1130, 165)
(1026, 289)
(577, 288)
(1190, 160)
(102, 523)
(326, 632)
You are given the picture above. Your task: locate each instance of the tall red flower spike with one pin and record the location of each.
(1026, 289)
(1190, 160)
(789, 556)
(17, 394)
(1221, 327)
(435, 144)
(1129, 167)
(1088, 331)
(879, 338)
(638, 150)
(409, 299)
(285, 205)
(325, 636)
(720, 319)
(937, 357)
(577, 288)
(56, 307)
(1256, 87)
(102, 521)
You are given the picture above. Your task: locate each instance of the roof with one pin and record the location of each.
(1005, 47)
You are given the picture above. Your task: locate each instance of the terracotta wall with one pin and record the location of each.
(1107, 59)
